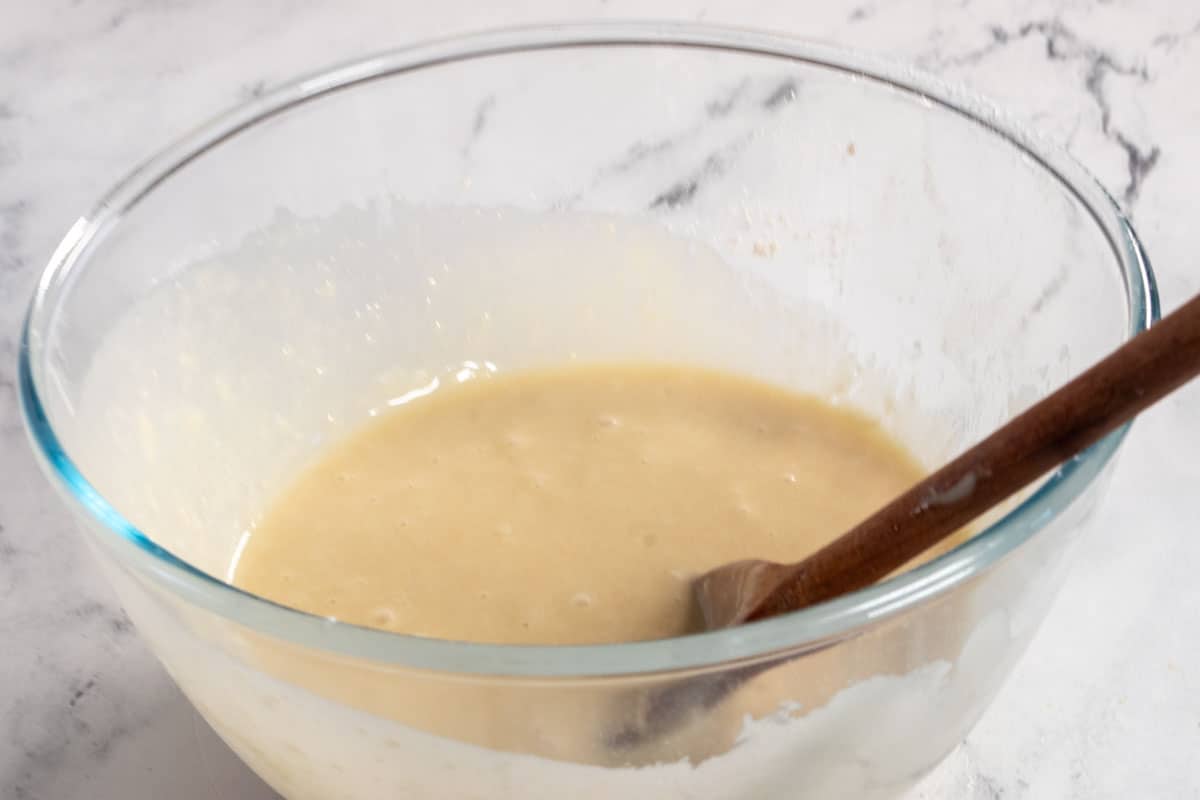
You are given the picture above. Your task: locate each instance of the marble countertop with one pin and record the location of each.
(1106, 704)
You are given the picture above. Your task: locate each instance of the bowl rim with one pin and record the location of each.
(795, 633)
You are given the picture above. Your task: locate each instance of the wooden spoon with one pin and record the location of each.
(1138, 374)
(1064, 424)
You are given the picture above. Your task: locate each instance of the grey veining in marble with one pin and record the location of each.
(1107, 702)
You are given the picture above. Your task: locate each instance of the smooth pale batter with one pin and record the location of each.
(568, 505)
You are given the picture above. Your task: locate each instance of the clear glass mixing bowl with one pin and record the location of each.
(722, 197)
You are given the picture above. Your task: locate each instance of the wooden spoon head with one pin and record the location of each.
(735, 593)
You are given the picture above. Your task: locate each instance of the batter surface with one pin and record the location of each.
(564, 506)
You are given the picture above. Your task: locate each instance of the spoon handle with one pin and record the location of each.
(1138, 374)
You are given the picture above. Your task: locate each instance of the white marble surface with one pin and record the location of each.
(1107, 702)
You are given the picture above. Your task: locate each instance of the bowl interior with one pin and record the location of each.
(430, 217)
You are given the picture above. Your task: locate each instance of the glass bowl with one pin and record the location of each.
(734, 199)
